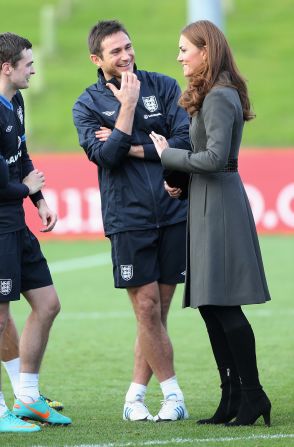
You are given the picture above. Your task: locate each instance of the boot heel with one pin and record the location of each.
(267, 417)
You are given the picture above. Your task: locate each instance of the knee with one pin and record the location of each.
(50, 308)
(148, 312)
(2, 325)
(53, 308)
(3, 322)
(9, 319)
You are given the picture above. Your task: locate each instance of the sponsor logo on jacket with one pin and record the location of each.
(150, 116)
(13, 158)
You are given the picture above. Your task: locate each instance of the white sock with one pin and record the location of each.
(12, 368)
(28, 387)
(136, 392)
(3, 407)
(170, 388)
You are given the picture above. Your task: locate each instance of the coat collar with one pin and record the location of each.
(224, 79)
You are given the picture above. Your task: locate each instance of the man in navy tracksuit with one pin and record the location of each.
(23, 268)
(114, 118)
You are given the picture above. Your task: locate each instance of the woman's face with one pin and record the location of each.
(190, 56)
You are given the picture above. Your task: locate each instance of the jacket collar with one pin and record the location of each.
(6, 102)
(224, 79)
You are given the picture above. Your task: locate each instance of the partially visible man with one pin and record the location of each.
(10, 349)
(146, 227)
(3, 172)
(23, 268)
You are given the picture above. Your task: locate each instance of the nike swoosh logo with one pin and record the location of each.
(38, 413)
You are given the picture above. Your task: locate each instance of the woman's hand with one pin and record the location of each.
(172, 191)
(159, 141)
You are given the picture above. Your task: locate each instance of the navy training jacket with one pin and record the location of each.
(14, 151)
(132, 192)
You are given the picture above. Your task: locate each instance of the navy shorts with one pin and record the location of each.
(22, 265)
(144, 256)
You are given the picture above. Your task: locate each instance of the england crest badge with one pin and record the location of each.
(150, 103)
(126, 272)
(5, 286)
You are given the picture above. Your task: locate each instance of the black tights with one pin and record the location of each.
(232, 341)
(227, 317)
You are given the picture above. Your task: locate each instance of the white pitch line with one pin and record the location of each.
(95, 315)
(85, 262)
(186, 441)
(81, 263)
(129, 314)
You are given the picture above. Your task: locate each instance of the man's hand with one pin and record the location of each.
(103, 133)
(128, 93)
(136, 151)
(35, 181)
(48, 217)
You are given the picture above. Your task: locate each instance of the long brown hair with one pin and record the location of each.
(219, 62)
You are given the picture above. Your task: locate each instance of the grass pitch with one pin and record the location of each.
(88, 363)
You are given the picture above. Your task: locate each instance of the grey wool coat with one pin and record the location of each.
(224, 264)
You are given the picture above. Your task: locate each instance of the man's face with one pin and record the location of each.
(21, 73)
(117, 55)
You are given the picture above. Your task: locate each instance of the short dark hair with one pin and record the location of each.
(100, 31)
(11, 46)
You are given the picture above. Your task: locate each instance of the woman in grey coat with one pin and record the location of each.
(224, 264)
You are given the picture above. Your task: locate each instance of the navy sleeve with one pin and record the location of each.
(108, 154)
(13, 191)
(10, 191)
(177, 120)
(3, 172)
(27, 167)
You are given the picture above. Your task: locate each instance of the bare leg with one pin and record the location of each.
(4, 311)
(10, 343)
(45, 306)
(155, 348)
(142, 372)
(166, 293)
